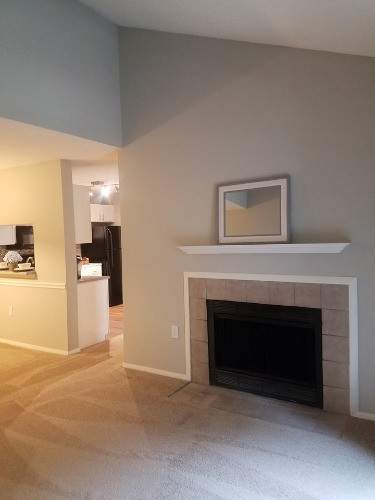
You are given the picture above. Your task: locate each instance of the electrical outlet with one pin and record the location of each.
(11, 310)
(174, 332)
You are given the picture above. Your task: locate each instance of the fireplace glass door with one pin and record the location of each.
(271, 350)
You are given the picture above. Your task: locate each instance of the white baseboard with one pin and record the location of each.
(74, 351)
(365, 415)
(40, 348)
(155, 371)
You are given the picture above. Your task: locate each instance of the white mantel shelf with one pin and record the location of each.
(278, 248)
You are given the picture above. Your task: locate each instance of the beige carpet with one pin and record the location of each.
(85, 428)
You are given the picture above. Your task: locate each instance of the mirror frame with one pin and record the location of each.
(283, 237)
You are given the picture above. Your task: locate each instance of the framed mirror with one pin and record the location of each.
(254, 212)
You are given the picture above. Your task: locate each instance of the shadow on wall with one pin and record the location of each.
(181, 72)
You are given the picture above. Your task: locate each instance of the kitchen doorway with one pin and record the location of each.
(99, 238)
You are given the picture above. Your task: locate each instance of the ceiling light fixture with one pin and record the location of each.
(105, 191)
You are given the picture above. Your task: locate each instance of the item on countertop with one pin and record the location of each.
(25, 271)
(31, 259)
(81, 261)
(92, 269)
(79, 266)
(12, 258)
(24, 266)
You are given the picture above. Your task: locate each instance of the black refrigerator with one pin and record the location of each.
(106, 249)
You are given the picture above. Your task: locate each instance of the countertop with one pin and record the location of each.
(87, 279)
(23, 275)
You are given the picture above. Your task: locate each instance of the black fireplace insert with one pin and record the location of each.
(274, 351)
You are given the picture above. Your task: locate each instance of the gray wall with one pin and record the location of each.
(200, 112)
(59, 68)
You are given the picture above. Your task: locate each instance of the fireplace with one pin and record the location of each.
(271, 350)
(327, 298)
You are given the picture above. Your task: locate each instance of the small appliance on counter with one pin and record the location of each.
(91, 269)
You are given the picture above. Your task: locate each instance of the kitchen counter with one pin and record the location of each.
(86, 279)
(93, 310)
(23, 275)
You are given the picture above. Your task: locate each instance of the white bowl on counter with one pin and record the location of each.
(24, 266)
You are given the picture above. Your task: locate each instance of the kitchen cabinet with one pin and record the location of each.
(95, 212)
(93, 322)
(102, 213)
(8, 235)
(117, 215)
(82, 219)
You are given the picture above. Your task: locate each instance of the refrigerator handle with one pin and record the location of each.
(111, 246)
(106, 238)
(112, 254)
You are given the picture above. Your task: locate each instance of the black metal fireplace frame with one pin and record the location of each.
(265, 385)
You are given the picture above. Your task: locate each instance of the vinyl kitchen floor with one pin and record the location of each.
(83, 427)
(116, 315)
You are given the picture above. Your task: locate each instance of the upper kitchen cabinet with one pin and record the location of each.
(102, 213)
(8, 235)
(82, 220)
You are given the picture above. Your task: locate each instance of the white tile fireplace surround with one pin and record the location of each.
(335, 296)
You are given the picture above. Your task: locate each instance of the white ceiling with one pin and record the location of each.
(346, 26)
(23, 144)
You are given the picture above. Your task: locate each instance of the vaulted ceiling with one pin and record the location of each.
(346, 26)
